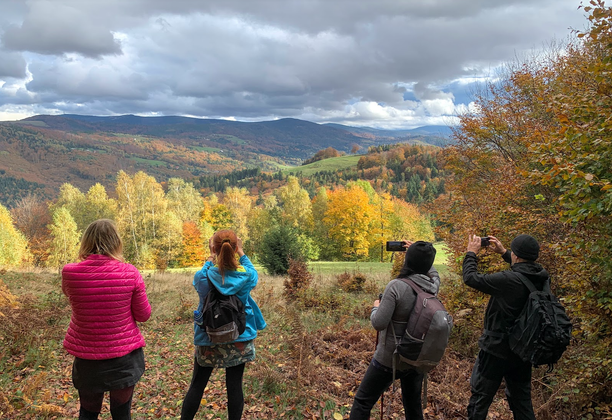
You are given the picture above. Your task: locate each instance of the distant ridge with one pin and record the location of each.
(435, 130)
(45, 151)
(286, 137)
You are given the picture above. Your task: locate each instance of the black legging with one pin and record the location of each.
(233, 383)
(120, 404)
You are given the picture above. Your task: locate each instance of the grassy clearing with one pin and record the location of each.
(310, 358)
(149, 162)
(331, 164)
(205, 149)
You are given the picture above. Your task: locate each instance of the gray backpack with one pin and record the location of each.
(424, 341)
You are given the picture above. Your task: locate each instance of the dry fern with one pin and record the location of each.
(7, 299)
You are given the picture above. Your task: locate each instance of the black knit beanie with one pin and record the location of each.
(420, 257)
(525, 247)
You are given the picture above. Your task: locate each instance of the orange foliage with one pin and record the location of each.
(194, 252)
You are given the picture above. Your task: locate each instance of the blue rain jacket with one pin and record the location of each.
(239, 283)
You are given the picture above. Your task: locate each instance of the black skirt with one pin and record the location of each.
(109, 374)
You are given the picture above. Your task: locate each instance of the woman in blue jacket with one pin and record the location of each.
(230, 277)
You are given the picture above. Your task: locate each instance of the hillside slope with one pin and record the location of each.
(40, 153)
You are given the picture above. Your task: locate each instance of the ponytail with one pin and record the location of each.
(225, 242)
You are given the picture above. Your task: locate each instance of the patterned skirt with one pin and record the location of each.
(225, 355)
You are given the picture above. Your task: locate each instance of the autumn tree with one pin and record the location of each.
(98, 205)
(349, 217)
(259, 222)
(66, 239)
(296, 208)
(73, 200)
(406, 221)
(195, 248)
(168, 243)
(151, 233)
(238, 202)
(329, 250)
(32, 218)
(576, 162)
(327, 153)
(184, 200)
(534, 157)
(380, 231)
(13, 244)
(86, 208)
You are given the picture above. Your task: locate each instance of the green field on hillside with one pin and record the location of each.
(331, 164)
(149, 162)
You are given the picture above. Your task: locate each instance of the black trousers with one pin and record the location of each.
(233, 383)
(485, 381)
(376, 380)
(120, 404)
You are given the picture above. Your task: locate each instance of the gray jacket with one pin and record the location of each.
(395, 307)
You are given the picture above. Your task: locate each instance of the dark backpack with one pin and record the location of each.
(543, 330)
(223, 317)
(424, 341)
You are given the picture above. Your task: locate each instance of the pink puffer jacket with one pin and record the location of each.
(107, 298)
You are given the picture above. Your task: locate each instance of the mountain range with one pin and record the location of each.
(39, 153)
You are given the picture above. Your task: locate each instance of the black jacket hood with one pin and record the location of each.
(533, 271)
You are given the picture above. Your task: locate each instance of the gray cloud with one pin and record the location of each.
(372, 61)
(56, 27)
(12, 65)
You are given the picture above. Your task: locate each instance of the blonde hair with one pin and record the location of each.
(225, 243)
(101, 237)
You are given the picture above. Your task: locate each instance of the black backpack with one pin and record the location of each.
(223, 317)
(543, 330)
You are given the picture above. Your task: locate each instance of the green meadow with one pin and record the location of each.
(331, 164)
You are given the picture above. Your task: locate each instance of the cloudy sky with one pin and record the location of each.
(378, 63)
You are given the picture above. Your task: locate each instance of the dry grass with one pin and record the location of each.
(309, 360)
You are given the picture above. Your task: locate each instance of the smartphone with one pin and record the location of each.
(395, 246)
(484, 239)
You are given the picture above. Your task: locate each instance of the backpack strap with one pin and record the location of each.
(417, 289)
(529, 284)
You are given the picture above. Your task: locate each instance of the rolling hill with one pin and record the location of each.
(40, 153)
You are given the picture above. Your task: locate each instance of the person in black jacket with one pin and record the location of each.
(495, 360)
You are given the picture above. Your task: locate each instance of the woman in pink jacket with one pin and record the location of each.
(107, 297)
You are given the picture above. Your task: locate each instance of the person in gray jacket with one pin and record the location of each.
(390, 316)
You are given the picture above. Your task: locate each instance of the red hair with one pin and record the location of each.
(225, 243)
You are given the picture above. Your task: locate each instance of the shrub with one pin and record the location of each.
(351, 283)
(299, 278)
(323, 301)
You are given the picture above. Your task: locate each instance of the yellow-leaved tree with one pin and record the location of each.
(349, 217)
(66, 239)
(238, 202)
(13, 244)
(296, 208)
(152, 234)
